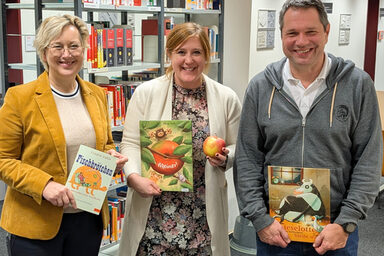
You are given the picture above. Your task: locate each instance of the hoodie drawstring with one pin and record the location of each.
(270, 102)
(332, 105)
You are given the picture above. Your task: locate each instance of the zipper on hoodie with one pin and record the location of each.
(302, 142)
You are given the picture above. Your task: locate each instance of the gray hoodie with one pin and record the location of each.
(341, 132)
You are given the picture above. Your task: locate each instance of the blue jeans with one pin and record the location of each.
(306, 249)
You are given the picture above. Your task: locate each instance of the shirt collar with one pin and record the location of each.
(287, 74)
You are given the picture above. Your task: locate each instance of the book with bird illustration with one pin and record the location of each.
(90, 177)
(299, 198)
(166, 154)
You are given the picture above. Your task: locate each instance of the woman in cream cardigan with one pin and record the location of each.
(175, 223)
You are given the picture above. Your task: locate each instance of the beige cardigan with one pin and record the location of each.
(153, 101)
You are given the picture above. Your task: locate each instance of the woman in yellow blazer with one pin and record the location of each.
(43, 123)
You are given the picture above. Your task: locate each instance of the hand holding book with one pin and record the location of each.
(144, 186)
(58, 195)
(274, 234)
(120, 162)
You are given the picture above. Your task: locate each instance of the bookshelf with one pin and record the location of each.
(77, 8)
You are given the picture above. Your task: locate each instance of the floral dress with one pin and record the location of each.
(177, 222)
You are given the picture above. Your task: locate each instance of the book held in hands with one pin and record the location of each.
(299, 198)
(166, 154)
(90, 177)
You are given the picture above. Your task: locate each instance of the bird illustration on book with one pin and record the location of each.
(305, 205)
(87, 177)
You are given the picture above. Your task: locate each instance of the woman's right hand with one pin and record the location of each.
(144, 186)
(58, 195)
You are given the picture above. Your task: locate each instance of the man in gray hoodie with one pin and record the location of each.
(310, 109)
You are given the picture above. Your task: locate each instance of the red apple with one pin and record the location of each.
(213, 145)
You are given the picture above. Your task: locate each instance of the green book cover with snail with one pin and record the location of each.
(166, 154)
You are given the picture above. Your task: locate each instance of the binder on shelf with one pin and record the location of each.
(127, 43)
(120, 56)
(128, 47)
(111, 48)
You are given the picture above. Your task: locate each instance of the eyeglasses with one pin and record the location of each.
(74, 49)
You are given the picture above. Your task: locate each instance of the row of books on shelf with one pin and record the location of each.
(193, 4)
(116, 206)
(98, 3)
(149, 33)
(109, 47)
(118, 96)
(187, 4)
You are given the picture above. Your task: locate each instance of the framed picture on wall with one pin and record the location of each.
(266, 25)
(344, 29)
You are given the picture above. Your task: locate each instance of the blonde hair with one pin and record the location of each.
(181, 33)
(52, 28)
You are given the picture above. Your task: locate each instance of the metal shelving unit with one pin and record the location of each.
(78, 8)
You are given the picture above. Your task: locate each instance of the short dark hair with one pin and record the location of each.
(317, 4)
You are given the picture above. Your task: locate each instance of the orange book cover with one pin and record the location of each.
(299, 198)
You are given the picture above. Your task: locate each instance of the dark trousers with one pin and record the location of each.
(306, 249)
(79, 235)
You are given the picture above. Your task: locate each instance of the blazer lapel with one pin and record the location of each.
(48, 109)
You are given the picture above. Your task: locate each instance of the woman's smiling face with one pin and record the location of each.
(188, 62)
(65, 54)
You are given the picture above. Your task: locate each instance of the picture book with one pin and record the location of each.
(166, 154)
(299, 198)
(90, 177)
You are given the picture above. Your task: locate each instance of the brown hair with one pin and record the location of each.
(305, 4)
(52, 28)
(181, 33)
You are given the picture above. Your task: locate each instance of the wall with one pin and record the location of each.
(354, 51)
(237, 23)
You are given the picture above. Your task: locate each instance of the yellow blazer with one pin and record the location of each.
(33, 151)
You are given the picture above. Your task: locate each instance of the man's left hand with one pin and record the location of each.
(331, 238)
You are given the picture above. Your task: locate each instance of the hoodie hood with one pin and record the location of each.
(339, 69)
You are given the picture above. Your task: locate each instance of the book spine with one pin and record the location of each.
(104, 47)
(120, 57)
(128, 47)
(111, 47)
(95, 63)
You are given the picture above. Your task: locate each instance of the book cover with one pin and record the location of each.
(90, 177)
(299, 198)
(166, 154)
